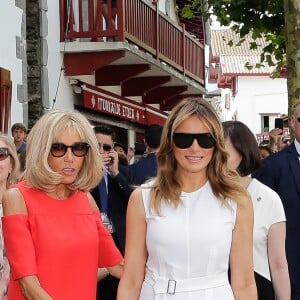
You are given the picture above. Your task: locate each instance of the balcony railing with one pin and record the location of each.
(140, 23)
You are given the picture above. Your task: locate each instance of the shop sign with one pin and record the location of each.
(108, 103)
(112, 106)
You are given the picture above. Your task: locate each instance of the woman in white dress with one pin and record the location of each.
(270, 263)
(9, 173)
(188, 224)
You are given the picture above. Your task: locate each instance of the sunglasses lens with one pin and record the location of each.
(298, 119)
(105, 147)
(185, 140)
(3, 153)
(58, 149)
(206, 140)
(80, 149)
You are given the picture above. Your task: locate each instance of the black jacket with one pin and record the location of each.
(281, 172)
(118, 195)
(143, 169)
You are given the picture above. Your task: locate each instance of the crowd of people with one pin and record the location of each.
(203, 214)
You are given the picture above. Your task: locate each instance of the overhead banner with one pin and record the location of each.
(108, 103)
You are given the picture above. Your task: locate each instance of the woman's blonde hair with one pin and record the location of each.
(14, 175)
(224, 182)
(43, 134)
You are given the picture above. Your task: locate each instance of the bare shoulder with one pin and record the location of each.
(136, 194)
(136, 201)
(13, 202)
(92, 202)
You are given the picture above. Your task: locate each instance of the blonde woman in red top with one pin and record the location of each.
(54, 236)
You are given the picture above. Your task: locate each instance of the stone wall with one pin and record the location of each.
(21, 54)
(37, 56)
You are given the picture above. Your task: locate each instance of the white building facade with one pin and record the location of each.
(13, 65)
(249, 95)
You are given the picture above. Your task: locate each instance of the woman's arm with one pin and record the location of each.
(135, 249)
(13, 203)
(277, 261)
(32, 290)
(15, 221)
(241, 254)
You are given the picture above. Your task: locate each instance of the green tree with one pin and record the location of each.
(275, 20)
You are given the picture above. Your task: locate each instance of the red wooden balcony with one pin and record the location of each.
(140, 28)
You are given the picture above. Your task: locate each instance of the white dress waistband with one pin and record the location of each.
(171, 286)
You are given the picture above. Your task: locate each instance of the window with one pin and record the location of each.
(265, 123)
(227, 101)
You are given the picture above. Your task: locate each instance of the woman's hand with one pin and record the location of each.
(32, 290)
(102, 273)
(116, 270)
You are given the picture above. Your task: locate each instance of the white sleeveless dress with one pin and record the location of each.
(188, 248)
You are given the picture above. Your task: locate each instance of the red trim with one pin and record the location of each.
(117, 74)
(85, 63)
(5, 100)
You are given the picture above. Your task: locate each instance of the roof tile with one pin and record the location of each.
(234, 58)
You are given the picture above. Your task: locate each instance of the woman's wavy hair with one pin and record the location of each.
(14, 175)
(46, 132)
(224, 182)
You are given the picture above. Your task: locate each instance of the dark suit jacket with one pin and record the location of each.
(143, 169)
(281, 172)
(118, 195)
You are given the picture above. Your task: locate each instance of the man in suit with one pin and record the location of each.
(111, 196)
(147, 166)
(281, 172)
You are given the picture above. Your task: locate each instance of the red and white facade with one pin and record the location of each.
(127, 83)
(12, 64)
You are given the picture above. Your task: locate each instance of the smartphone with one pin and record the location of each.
(279, 123)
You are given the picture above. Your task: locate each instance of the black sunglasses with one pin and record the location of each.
(106, 147)
(4, 153)
(298, 119)
(78, 149)
(185, 140)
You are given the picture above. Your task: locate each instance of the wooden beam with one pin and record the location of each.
(163, 93)
(168, 104)
(85, 63)
(116, 74)
(139, 86)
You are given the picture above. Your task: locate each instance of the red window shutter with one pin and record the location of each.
(5, 100)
